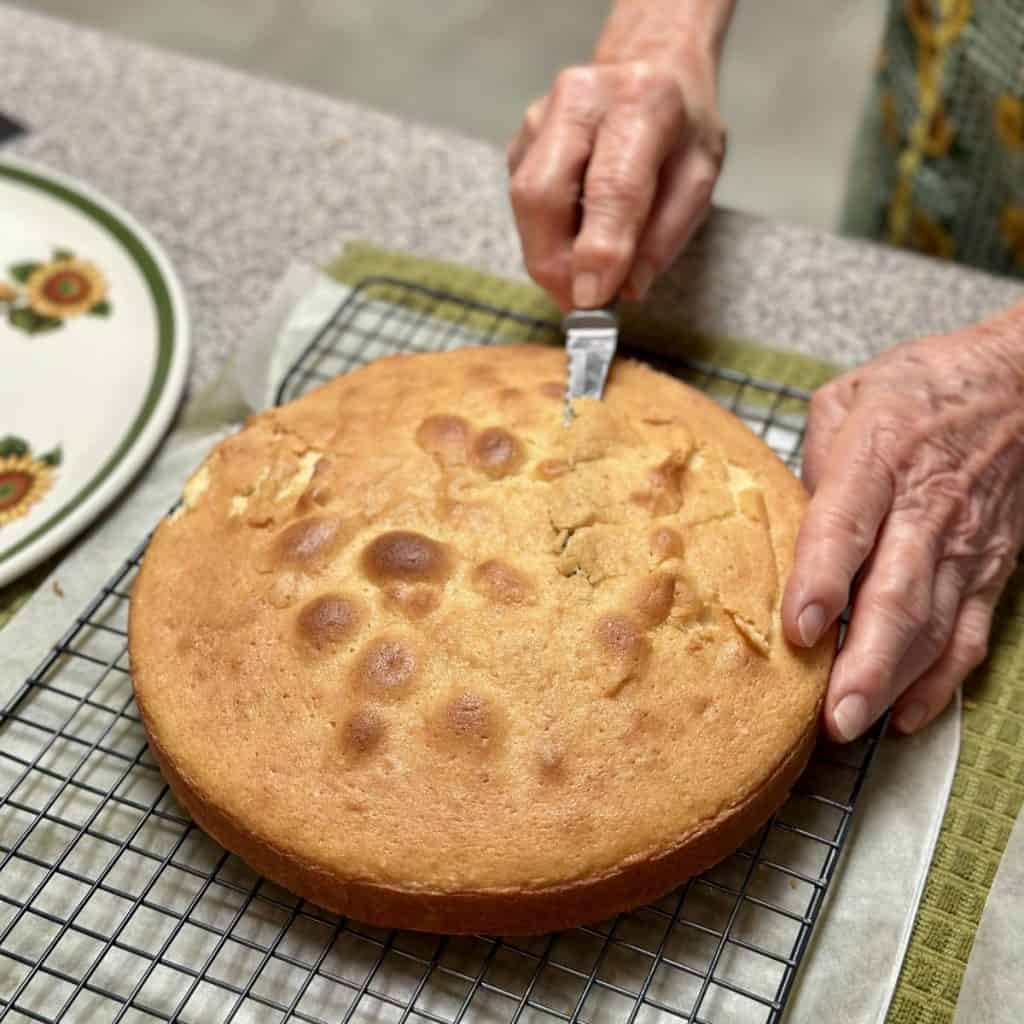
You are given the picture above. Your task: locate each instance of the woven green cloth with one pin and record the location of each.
(939, 161)
(988, 788)
(989, 784)
(639, 330)
(988, 791)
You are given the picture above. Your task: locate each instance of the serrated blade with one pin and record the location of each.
(591, 337)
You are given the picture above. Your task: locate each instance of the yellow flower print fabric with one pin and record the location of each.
(939, 162)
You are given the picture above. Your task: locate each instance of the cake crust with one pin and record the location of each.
(422, 654)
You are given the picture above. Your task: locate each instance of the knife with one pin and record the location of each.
(591, 336)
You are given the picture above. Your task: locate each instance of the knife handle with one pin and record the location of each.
(603, 318)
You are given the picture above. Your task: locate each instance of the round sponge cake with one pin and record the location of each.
(420, 652)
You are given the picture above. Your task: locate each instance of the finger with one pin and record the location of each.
(546, 186)
(966, 650)
(681, 204)
(528, 131)
(838, 532)
(932, 640)
(827, 413)
(516, 150)
(892, 606)
(618, 192)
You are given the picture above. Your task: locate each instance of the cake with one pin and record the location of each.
(428, 657)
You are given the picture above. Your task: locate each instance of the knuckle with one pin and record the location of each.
(986, 561)
(876, 457)
(616, 186)
(974, 651)
(573, 82)
(604, 251)
(576, 99)
(893, 440)
(891, 426)
(823, 400)
(848, 528)
(818, 405)
(527, 192)
(908, 606)
(936, 634)
(958, 572)
(938, 500)
(547, 271)
(534, 115)
(645, 80)
(655, 94)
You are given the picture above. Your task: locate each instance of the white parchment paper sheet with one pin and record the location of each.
(854, 958)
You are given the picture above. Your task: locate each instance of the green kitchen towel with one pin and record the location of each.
(639, 329)
(988, 788)
(988, 791)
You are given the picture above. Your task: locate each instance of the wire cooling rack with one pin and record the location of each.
(115, 907)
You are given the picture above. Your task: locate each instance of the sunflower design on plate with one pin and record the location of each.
(44, 295)
(24, 477)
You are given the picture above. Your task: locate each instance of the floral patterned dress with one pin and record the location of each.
(939, 161)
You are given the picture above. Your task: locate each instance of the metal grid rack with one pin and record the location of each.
(114, 906)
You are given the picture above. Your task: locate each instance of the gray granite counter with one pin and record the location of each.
(238, 176)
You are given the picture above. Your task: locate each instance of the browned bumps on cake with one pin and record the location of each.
(426, 656)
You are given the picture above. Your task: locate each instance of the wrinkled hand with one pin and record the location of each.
(641, 143)
(916, 465)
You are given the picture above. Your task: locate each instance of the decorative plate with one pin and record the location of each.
(93, 355)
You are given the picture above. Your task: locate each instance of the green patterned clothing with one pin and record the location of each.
(939, 161)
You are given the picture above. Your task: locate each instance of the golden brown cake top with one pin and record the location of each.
(415, 629)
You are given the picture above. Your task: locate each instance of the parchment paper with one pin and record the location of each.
(854, 959)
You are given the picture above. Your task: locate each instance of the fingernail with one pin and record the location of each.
(810, 623)
(641, 278)
(851, 716)
(584, 290)
(912, 717)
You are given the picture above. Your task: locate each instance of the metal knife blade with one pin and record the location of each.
(591, 337)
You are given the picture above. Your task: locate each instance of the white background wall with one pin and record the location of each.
(793, 82)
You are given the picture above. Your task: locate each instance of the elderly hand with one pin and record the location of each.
(916, 465)
(635, 137)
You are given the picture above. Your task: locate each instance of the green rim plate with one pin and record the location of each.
(111, 470)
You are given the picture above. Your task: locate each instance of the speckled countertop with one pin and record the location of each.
(239, 176)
